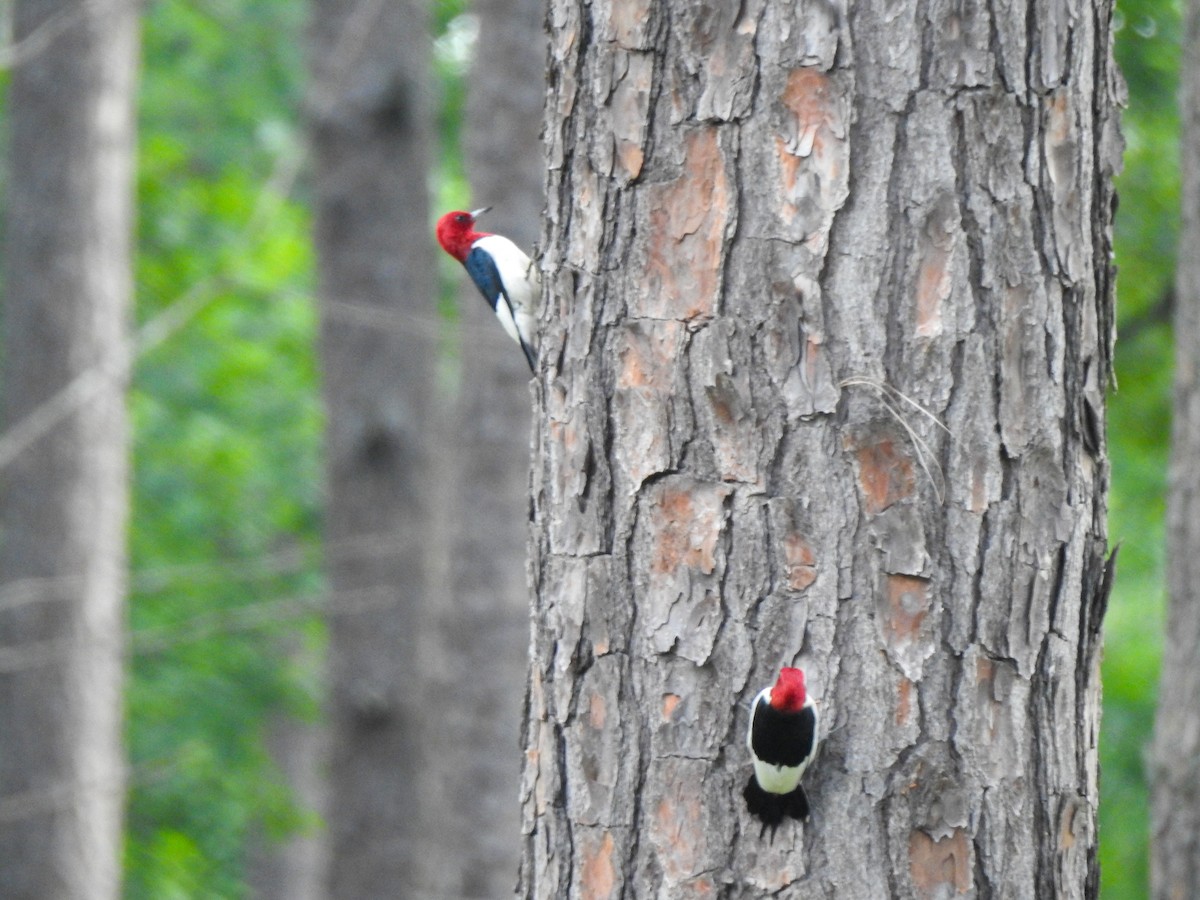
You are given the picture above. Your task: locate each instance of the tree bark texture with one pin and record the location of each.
(1175, 760)
(370, 127)
(64, 500)
(475, 648)
(781, 238)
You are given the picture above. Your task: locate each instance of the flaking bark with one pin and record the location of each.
(782, 239)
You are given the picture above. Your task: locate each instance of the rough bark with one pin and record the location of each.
(781, 237)
(475, 649)
(64, 499)
(371, 125)
(1175, 760)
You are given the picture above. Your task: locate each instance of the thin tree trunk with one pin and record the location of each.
(781, 238)
(370, 129)
(64, 499)
(476, 649)
(1175, 776)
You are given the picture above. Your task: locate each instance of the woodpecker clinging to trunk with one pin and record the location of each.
(504, 275)
(783, 741)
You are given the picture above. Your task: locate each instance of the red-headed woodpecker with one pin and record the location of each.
(504, 275)
(783, 741)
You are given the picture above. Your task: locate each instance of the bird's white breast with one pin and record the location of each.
(778, 779)
(517, 271)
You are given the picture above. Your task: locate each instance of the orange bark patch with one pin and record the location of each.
(884, 475)
(670, 704)
(935, 864)
(679, 831)
(811, 155)
(810, 96)
(904, 703)
(687, 534)
(1058, 119)
(985, 672)
(933, 288)
(597, 712)
(631, 156)
(647, 355)
(813, 359)
(908, 604)
(598, 878)
(799, 561)
(627, 18)
(789, 170)
(565, 434)
(1066, 825)
(687, 231)
(935, 276)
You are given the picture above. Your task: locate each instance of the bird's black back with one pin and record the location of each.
(482, 269)
(782, 738)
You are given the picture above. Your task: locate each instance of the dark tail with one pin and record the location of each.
(530, 357)
(771, 809)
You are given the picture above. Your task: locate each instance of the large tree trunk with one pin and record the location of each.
(476, 647)
(781, 237)
(370, 130)
(64, 498)
(1175, 849)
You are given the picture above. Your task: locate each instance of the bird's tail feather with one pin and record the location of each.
(530, 356)
(771, 809)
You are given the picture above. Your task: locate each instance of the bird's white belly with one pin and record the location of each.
(777, 779)
(521, 281)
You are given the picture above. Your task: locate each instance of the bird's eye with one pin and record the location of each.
(462, 217)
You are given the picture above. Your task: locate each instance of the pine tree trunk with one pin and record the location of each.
(475, 649)
(1175, 766)
(370, 131)
(781, 238)
(64, 498)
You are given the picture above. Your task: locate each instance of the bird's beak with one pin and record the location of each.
(476, 213)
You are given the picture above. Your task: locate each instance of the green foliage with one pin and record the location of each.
(225, 533)
(227, 431)
(1148, 51)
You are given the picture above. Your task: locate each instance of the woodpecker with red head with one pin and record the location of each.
(504, 275)
(783, 741)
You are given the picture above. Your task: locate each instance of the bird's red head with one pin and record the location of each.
(456, 232)
(789, 695)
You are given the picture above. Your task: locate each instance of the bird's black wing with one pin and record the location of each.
(482, 269)
(782, 738)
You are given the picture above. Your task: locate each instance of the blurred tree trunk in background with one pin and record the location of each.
(777, 233)
(64, 499)
(295, 866)
(477, 648)
(1175, 765)
(371, 128)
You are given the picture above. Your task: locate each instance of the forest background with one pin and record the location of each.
(226, 575)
